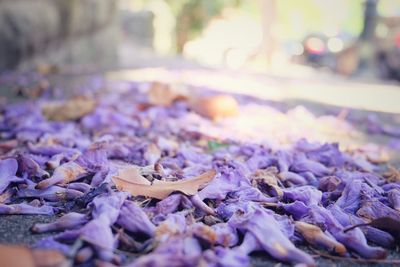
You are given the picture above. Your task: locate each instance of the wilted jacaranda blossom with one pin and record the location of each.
(8, 170)
(271, 239)
(353, 240)
(134, 219)
(68, 221)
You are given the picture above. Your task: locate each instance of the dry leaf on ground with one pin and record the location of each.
(131, 174)
(162, 94)
(160, 189)
(17, 256)
(215, 107)
(72, 109)
(269, 178)
(152, 154)
(392, 175)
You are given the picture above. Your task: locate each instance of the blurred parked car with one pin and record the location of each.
(320, 50)
(388, 48)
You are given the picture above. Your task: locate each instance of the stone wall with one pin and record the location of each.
(57, 31)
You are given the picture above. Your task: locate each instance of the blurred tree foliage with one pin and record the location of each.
(294, 18)
(192, 16)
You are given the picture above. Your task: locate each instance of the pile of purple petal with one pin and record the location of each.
(262, 198)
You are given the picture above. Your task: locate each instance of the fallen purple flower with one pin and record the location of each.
(51, 243)
(98, 233)
(27, 165)
(51, 150)
(93, 160)
(374, 235)
(55, 161)
(297, 209)
(172, 203)
(354, 240)
(108, 206)
(270, 239)
(134, 219)
(315, 236)
(176, 251)
(8, 169)
(329, 183)
(226, 257)
(82, 187)
(198, 203)
(52, 193)
(306, 165)
(394, 199)
(24, 208)
(68, 221)
(374, 209)
(226, 235)
(262, 190)
(291, 177)
(65, 173)
(306, 194)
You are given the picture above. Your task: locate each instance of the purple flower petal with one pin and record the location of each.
(68, 221)
(134, 219)
(24, 208)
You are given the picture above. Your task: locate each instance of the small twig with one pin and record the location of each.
(353, 259)
(270, 204)
(355, 226)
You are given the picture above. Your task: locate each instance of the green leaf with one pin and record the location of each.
(214, 145)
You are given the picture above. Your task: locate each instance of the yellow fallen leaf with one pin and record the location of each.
(161, 189)
(72, 109)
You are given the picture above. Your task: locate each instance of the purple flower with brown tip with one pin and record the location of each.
(8, 169)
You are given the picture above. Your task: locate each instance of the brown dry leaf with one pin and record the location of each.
(162, 94)
(376, 154)
(392, 175)
(72, 109)
(47, 68)
(215, 107)
(162, 189)
(152, 154)
(5, 196)
(48, 258)
(269, 177)
(17, 256)
(166, 228)
(378, 158)
(8, 145)
(132, 174)
(205, 233)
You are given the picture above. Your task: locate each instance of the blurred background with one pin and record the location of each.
(358, 39)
